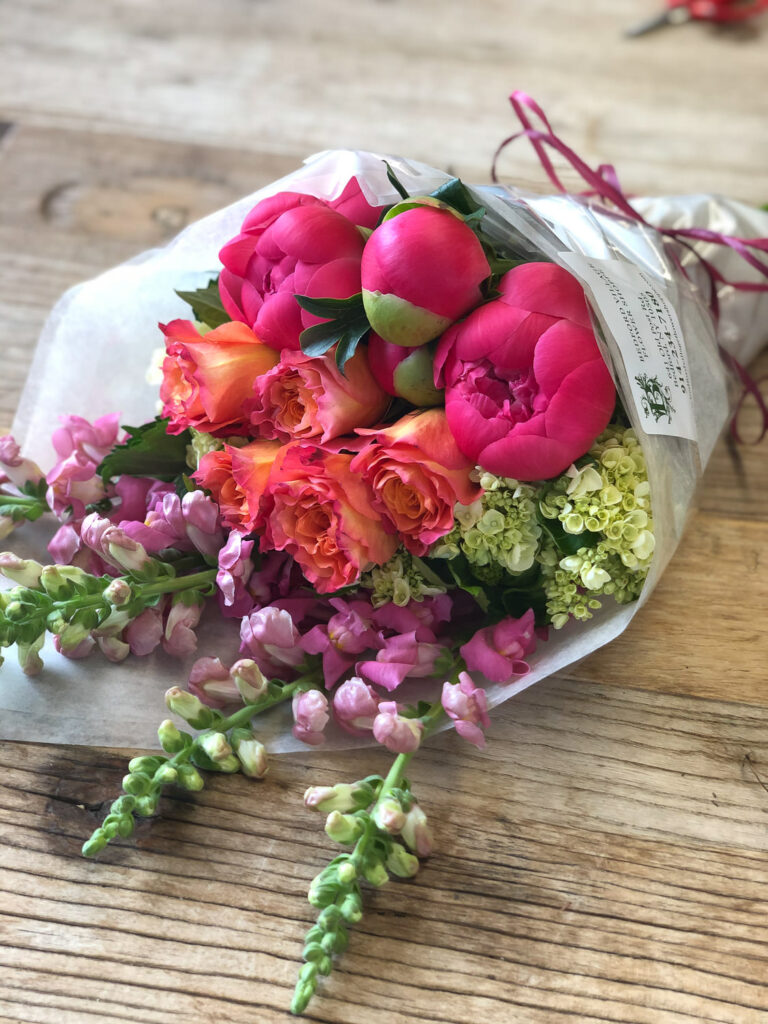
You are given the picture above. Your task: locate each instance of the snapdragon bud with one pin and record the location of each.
(251, 753)
(172, 740)
(118, 593)
(217, 752)
(375, 872)
(166, 775)
(389, 815)
(24, 571)
(190, 778)
(401, 863)
(250, 681)
(416, 832)
(58, 581)
(189, 707)
(343, 828)
(344, 796)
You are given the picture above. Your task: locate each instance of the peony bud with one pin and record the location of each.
(404, 373)
(421, 270)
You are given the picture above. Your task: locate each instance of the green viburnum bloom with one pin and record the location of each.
(498, 531)
(607, 498)
(400, 580)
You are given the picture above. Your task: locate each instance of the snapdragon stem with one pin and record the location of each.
(169, 585)
(393, 780)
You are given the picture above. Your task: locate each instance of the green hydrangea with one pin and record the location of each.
(203, 443)
(497, 532)
(609, 497)
(402, 579)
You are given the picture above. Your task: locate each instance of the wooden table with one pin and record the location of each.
(606, 857)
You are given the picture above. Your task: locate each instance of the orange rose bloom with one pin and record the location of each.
(207, 378)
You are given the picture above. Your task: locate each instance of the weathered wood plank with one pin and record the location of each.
(597, 887)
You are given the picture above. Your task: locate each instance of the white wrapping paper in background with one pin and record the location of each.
(98, 342)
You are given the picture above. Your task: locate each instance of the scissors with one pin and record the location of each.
(678, 12)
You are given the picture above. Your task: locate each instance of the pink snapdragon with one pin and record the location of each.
(113, 544)
(403, 656)
(235, 569)
(81, 446)
(271, 638)
(498, 651)
(399, 734)
(212, 683)
(13, 467)
(467, 705)
(310, 714)
(179, 637)
(145, 632)
(348, 633)
(355, 706)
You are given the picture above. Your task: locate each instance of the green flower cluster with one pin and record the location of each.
(497, 533)
(402, 579)
(607, 501)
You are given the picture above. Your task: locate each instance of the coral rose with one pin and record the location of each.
(527, 390)
(321, 513)
(207, 378)
(304, 397)
(237, 477)
(417, 475)
(292, 244)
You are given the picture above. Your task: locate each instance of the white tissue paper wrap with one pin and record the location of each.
(96, 347)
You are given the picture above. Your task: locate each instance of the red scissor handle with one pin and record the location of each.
(720, 10)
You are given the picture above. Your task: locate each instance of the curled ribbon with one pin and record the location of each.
(603, 183)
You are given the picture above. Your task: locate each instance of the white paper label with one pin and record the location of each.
(647, 331)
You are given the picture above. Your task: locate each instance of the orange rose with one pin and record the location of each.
(237, 477)
(207, 378)
(416, 475)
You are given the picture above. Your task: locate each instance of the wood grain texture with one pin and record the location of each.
(604, 859)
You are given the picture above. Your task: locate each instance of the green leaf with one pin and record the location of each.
(333, 309)
(149, 451)
(396, 183)
(456, 194)
(315, 341)
(206, 304)
(568, 543)
(349, 341)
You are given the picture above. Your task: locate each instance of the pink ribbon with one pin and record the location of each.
(604, 184)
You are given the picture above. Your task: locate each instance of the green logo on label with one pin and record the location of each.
(656, 399)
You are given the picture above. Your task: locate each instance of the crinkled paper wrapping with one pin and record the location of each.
(94, 352)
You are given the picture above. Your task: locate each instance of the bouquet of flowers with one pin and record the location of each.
(419, 444)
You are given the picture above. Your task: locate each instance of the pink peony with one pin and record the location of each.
(467, 705)
(321, 513)
(417, 476)
(207, 378)
(526, 388)
(498, 651)
(421, 270)
(290, 244)
(303, 398)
